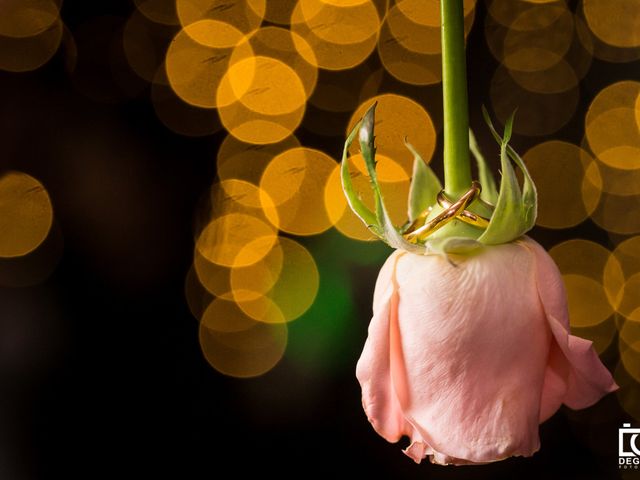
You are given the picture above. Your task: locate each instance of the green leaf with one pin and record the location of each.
(379, 223)
(489, 191)
(425, 185)
(515, 210)
(355, 202)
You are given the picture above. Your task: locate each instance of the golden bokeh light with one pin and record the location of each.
(616, 22)
(335, 93)
(280, 44)
(629, 298)
(558, 78)
(158, 11)
(583, 264)
(254, 281)
(27, 18)
(621, 94)
(26, 214)
(558, 170)
(225, 240)
(517, 14)
(342, 217)
(280, 12)
(330, 55)
(618, 181)
(395, 194)
(292, 293)
(387, 169)
(214, 33)
(29, 53)
(261, 100)
(246, 161)
(224, 316)
(144, 43)
(542, 48)
(627, 254)
(617, 214)
(601, 335)
(339, 24)
(418, 37)
(599, 49)
(295, 181)
(244, 16)
(427, 12)
(588, 303)
(195, 70)
(179, 116)
(541, 114)
(614, 138)
(243, 225)
(264, 85)
(215, 278)
(238, 346)
(253, 127)
(235, 195)
(405, 65)
(399, 118)
(629, 345)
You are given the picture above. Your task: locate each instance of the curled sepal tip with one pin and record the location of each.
(516, 208)
(379, 221)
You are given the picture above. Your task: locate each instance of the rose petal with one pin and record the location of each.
(374, 370)
(575, 375)
(474, 348)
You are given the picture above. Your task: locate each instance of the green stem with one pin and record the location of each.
(457, 167)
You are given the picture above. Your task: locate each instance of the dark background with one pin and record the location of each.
(108, 379)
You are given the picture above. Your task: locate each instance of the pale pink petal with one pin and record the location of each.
(475, 344)
(575, 375)
(589, 380)
(374, 367)
(554, 388)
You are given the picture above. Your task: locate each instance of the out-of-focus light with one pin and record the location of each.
(179, 116)
(309, 21)
(616, 22)
(158, 11)
(244, 16)
(23, 54)
(538, 114)
(237, 345)
(26, 214)
(195, 69)
(279, 44)
(27, 18)
(398, 119)
(558, 169)
(246, 161)
(144, 44)
(295, 181)
(582, 264)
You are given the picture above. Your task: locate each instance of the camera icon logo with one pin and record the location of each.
(628, 441)
(628, 447)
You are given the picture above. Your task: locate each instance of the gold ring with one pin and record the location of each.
(466, 216)
(440, 220)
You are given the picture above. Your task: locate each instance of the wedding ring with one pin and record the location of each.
(466, 216)
(453, 211)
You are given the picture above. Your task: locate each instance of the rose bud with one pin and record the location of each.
(469, 347)
(467, 358)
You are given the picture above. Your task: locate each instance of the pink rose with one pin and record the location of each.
(468, 356)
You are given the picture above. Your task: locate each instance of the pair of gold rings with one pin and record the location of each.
(420, 229)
